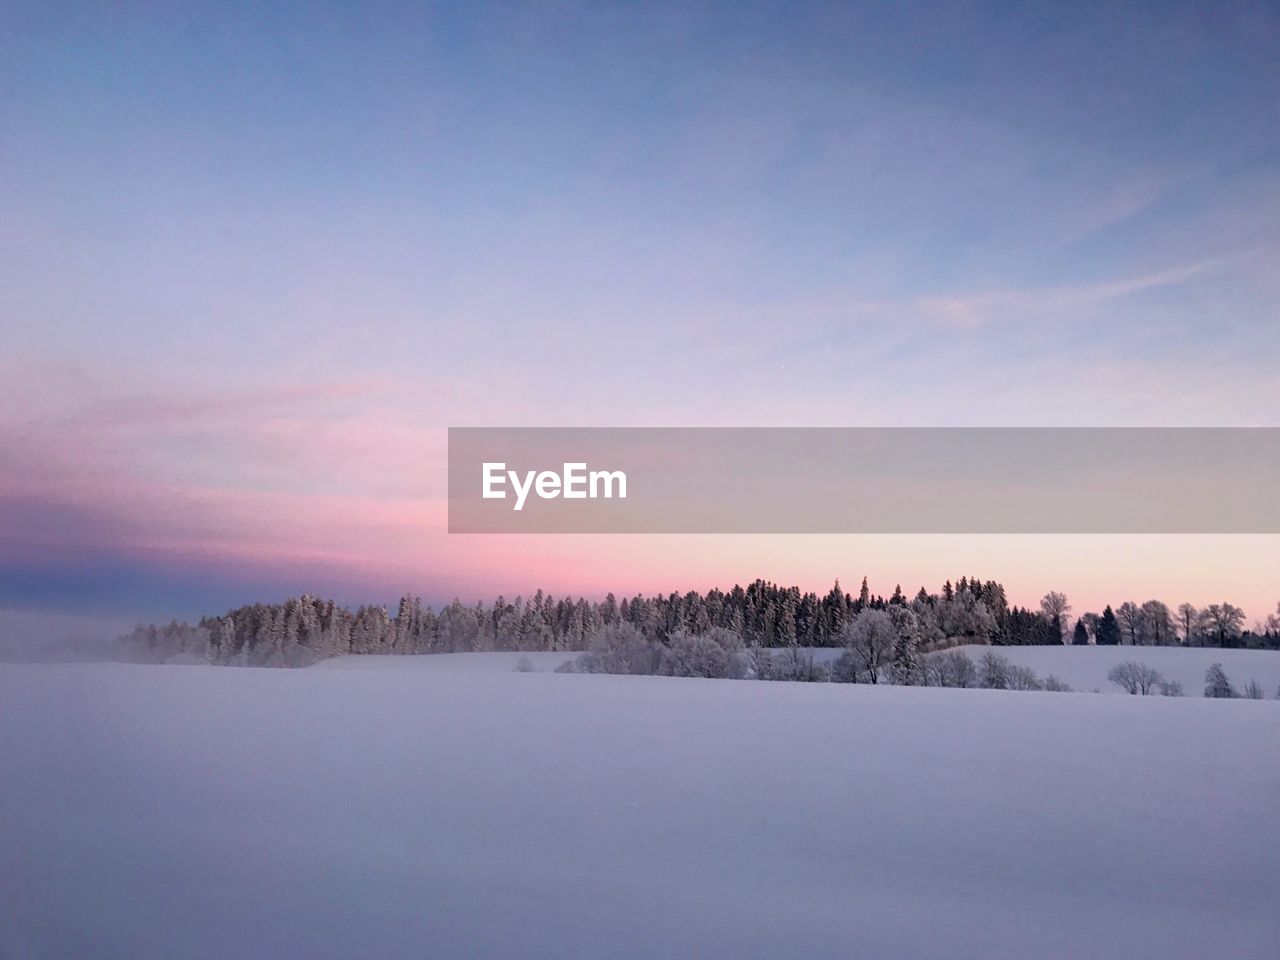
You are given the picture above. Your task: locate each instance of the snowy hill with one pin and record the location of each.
(1085, 668)
(201, 812)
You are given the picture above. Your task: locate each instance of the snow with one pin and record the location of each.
(495, 662)
(1086, 667)
(212, 812)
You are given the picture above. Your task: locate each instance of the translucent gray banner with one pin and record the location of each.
(864, 480)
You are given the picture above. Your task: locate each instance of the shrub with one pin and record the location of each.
(693, 655)
(1134, 678)
(1169, 688)
(1217, 685)
(950, 669)
(993, 671)
(1023, 678)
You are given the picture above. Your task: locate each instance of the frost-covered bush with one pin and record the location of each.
(1055, 684)
(619, 648)
(994, 671)
(1169, 688)
(1022, 678)
(1254, 691)
(694, 655)
(950, 669)
(844, 669)
(1217, 685)
(790, 664)
(997, 672)
(525, 665)
(726, 638)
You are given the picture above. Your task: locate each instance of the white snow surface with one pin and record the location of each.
(494, 662)
(214, 812)
(1086, 667)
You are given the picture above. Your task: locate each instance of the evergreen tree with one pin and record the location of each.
(1108, 629)
(785, 630)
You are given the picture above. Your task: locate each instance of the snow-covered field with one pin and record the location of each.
(497, 662)
(1086, 668)
(214, 812)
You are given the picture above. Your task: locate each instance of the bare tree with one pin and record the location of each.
(1223, 622)
(1054, 605)
(1129, 614)
(1188, 623)
(1134, 678)
(1273, 621)
(1157, 624)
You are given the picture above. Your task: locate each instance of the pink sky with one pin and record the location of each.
(334, 490)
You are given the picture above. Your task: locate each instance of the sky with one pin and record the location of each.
(255, 260)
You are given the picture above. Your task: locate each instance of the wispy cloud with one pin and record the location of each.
(975, 309)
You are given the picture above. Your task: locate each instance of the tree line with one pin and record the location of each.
(762, 615)
(1153, 624)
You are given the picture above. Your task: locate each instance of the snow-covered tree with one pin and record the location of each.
(950, 668)
(870, 638)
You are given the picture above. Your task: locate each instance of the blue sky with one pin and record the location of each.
(255, 260)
